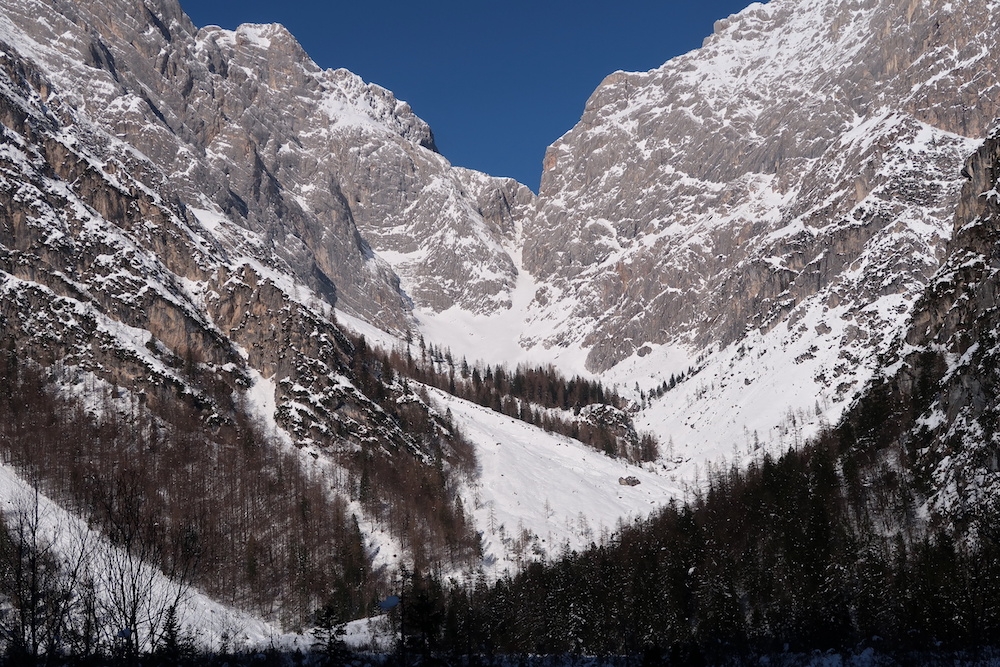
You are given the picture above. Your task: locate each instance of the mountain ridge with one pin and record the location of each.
(194, 220)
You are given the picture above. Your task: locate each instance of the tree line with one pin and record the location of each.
(820, 549)
(537, 395)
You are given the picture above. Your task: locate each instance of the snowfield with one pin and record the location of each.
(539, 493)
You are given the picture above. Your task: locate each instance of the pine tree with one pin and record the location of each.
(328, 637)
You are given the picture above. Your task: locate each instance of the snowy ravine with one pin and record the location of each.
(539, 493)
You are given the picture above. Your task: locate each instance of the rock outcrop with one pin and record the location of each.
(721, 191)
(178, 231)
(767, 208)
(314, 168)
(944, 381)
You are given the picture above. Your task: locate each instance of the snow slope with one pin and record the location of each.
(539, 493)
(211, 624)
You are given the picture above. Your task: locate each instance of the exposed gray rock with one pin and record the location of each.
(808, 148)
(169, 233)
(321, 168)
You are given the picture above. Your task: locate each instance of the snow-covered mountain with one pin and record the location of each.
(187, 213)
(176, 236)
(765, 208)
(189, 217)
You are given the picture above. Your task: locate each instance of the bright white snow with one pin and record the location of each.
(539, 492)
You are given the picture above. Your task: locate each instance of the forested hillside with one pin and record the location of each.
(818, 549)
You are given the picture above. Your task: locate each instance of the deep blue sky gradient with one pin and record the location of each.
(497, 81)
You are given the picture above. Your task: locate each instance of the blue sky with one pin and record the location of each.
(498, 82)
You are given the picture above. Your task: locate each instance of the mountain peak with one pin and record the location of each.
(736, 240)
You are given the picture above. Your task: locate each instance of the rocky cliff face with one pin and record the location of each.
(106, 277)
(312, 169)
(945, 381)
(767, 207)
(180, 213)
(723, 190)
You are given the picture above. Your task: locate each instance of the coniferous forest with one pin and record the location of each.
(817, 550)
(537, 395)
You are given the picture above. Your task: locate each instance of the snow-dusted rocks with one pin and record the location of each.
(943, 381)
(321, 166)
(157, 255)
(736, 239)
(696, 194)
(787, 187)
